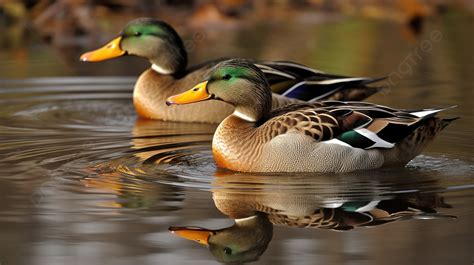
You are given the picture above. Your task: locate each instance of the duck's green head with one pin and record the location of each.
(237, 82)
(149, 38)
(245, 241)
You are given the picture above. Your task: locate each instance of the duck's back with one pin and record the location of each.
(328, 136)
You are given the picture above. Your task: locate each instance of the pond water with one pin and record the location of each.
(83, 181)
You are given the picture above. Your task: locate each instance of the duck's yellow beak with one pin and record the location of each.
(108, 51)
(195, 94)
(200, 235)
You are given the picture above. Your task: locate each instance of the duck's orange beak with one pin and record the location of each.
(198, 234)
(195, 94)
(108, 51)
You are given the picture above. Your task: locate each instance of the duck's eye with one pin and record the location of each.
(227, 250)
(226, 77)
(137, 34)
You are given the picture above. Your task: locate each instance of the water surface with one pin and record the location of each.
(83, 181)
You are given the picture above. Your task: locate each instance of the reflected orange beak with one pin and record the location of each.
(198, 234)
(109, 51)
(195, 94)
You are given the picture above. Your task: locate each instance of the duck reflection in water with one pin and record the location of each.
(129, 175)
(244, 241)
(256, 203)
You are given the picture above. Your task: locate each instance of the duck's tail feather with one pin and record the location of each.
(446, 122)
(416, 127)
(301, 82)
(428, 113)
(423, 133)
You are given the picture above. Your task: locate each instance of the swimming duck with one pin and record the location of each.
(325, 136)
(244, 241)
(161, 45)
(280, 200)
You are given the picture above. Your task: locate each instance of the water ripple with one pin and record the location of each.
(83, 144)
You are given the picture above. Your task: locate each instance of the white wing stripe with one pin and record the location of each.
(299, 66)
(299, 84)
(325, 94)
(368, 207)
(337, 141)
(379, 142)
(341, 80)
(424, 113)
(293, 88)
(278, 73)
(324, 82)
(269, 70)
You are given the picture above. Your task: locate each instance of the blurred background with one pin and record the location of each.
(45, 37)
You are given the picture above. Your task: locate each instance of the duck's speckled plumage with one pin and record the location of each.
(297, 138)
(324, 202)
(326, 136)
(303, 210)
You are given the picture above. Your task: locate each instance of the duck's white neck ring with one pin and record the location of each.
(243, 116)
(160, 69)
(243, 220)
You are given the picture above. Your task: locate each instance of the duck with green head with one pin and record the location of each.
(325, 136)
(245, 241)
(159, 43)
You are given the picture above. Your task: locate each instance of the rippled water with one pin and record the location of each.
(83, 181)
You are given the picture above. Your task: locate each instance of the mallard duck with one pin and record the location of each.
(325, 136)
(325, 203)
(161, 45)
(273, 200)
(244, 241)
(248, 238)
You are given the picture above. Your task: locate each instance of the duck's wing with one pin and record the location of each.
(371, 213)
(301, 82)
(353, 124)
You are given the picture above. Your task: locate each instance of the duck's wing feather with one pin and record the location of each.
(301, 82)
(365, 214)
(354, 124)
(304, 83)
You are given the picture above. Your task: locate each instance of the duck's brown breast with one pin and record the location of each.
(152, 90)
(235, 146)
